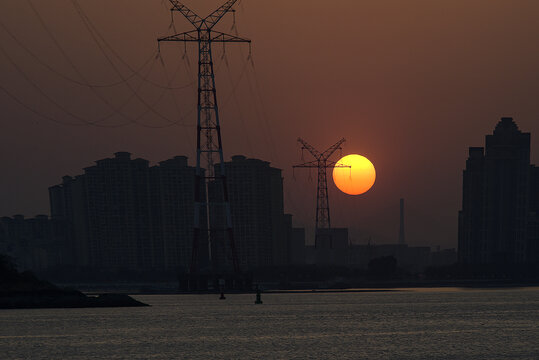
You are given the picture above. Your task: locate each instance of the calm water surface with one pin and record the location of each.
(411, 324)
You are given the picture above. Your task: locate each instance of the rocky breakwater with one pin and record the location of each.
(25, 291)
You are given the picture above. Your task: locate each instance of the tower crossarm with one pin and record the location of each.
(316, 164)
(185, 36)
(309, 164)
(212, 19)
(217, 36)
(190, 15)
(304, 145)
(326, 154)
(334, 164)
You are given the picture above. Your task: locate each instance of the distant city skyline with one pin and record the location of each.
(422, 82)
(122, 217)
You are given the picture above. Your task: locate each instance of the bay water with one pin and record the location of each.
(437, 323)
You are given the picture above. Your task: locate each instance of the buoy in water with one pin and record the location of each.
(258, 296)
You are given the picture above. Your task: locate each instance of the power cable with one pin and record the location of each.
(87, 23)
(173, 99)
(64, 76)
(79, 73)
(39, 90)
(233, 95)
(97, 35)
(70, 113)
(31, 109)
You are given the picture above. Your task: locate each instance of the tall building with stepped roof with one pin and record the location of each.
(498, 220)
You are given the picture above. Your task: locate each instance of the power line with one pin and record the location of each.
(70, 113)
(36, 112)
(44, 94)
(75, 68)
(232, 95)
(64, 76)
(87, 23)
(95, 34)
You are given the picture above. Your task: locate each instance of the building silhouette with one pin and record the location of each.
(68, 204)
(295, 240)
(112, 200)
(498, 220)
(37, 243)
(172, 185)
(331, 247)
(123, 215)
(256, 202)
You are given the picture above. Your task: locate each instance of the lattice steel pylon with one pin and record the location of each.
(208, 125)
(321, 162)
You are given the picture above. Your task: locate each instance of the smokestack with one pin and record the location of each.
(401, 228)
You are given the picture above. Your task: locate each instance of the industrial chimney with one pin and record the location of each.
(401, 228)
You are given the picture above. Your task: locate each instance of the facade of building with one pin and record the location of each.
(122, 214)
(496, 223)
(36, 243)
(68, 205)
(295, 244)
(172, 210)
(118, 206)
(256, 201)
(332, 246)
(107, 210)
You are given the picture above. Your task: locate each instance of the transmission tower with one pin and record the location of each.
(321, 162)
(209, 142)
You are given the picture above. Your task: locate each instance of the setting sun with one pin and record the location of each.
(356, 176)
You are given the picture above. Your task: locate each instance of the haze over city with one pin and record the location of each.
(166, 167)
(410, 85)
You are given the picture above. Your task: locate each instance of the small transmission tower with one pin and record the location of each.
(209, 142)
(321, 162)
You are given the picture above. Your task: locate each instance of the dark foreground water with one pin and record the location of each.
(411, 324)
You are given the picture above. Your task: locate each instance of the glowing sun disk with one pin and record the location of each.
(356, 179)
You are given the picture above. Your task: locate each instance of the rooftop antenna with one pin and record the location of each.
(209, 141)
(321, 162)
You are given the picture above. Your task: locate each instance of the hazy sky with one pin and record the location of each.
(409, 84)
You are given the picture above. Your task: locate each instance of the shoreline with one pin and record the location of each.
(167, 289)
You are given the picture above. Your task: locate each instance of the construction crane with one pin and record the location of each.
(321, 162)
(209, 141)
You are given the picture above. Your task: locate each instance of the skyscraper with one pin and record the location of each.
(497, 216)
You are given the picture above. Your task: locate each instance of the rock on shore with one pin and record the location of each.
(25, 291)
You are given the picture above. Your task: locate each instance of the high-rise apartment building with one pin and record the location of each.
(35, 244)
(172, 211)
(122, 214)
(108, 209)
(496, 223)
(68, 204)
(256, 201)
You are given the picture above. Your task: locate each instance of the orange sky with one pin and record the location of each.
(409, 84)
